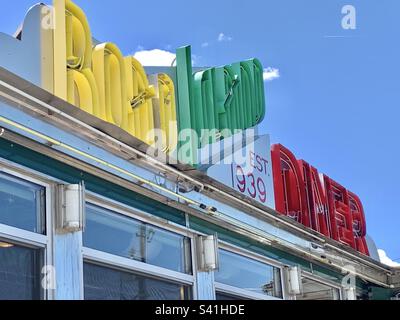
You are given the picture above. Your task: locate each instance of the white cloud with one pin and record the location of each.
(271, 74)
(160, 58)
(222, 37)
(205, 44)
(386, 260)
(195, 60)
(155, 57)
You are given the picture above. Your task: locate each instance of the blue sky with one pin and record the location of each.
(336, 103)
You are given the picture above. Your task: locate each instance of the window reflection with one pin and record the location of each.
(22, 204)
(102, 283)
(19, 272)
(228, 297)
(123, 236)
(313, 290)
(245, 273)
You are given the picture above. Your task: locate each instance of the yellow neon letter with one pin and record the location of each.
(168, 111)
(73, 78)
(140, 95)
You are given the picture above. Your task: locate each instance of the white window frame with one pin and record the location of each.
(128, 265)
(30, 239)
(325, 282)
(137, 214)
(106, 259)
(238, 292)
(241, 293)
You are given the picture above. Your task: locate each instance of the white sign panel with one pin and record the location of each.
(249, 171)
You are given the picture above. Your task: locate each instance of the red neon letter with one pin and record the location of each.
(359, 223)
(341, 220)
(317, 201)
(290, 194)
(316, 198)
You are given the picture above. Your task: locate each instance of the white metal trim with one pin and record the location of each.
(22, 173)
(91, 255)
(325, 282)
(249, 254)
(321, 280)
(237, 292)
(195, 271)
(137, 214)
(23, 237)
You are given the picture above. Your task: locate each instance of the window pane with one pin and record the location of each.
(313, 290)
(116, 234)
(22, 204)
(19, 272)
(239, 271)
(227, 297)
(103, 283)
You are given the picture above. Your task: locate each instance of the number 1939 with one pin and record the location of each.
(250, 184)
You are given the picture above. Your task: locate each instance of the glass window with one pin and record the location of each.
(19, 272)
(102, 283)
(228, 297)
(22, 204)
(123, 236)
(245, 273)
(314, 290)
